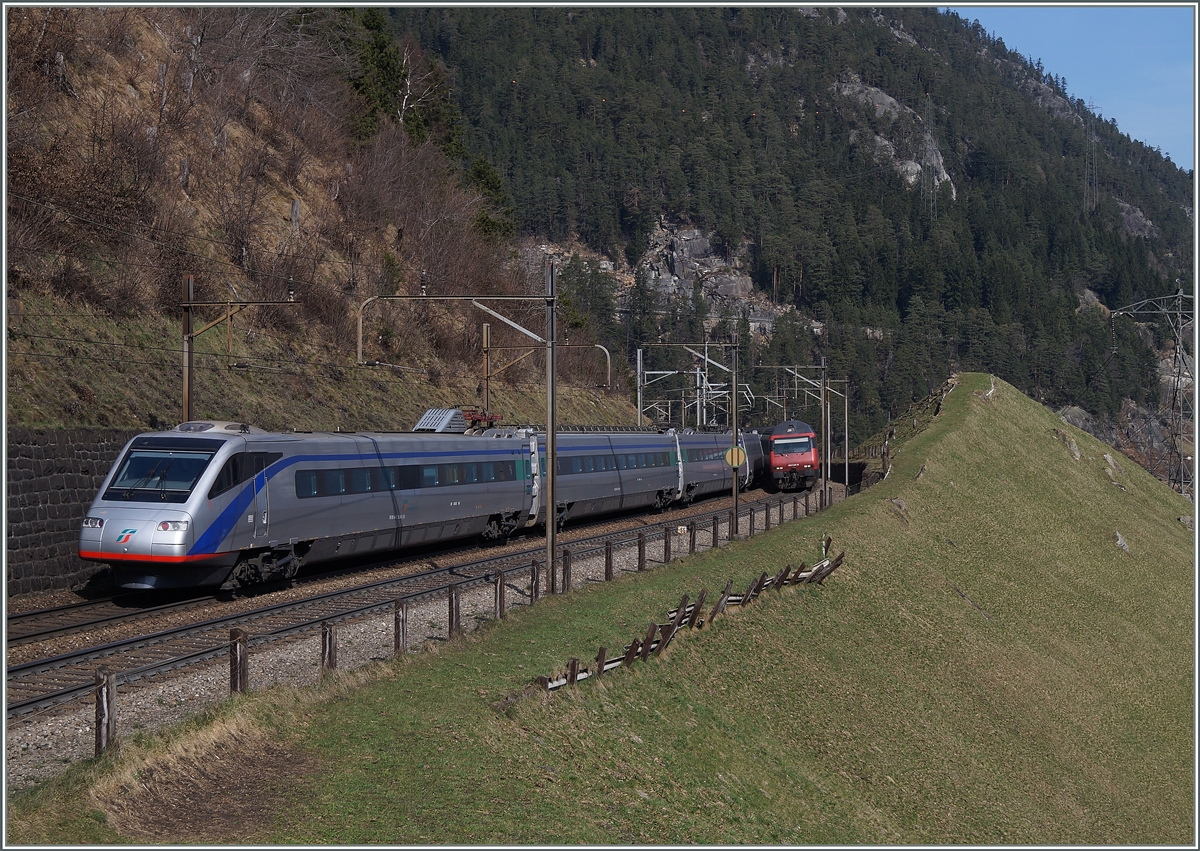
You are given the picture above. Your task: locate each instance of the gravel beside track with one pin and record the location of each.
(39, 746)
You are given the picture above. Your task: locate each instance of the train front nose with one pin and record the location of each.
(134, 535)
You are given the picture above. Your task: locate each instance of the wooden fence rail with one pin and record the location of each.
(685, 615)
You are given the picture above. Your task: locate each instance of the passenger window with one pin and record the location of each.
(429, 476)
(589, 464)
(383, 478)
(410, 477)
(360, 481)
(306, 484)
(335, 482)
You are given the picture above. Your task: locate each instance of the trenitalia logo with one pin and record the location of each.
(125, 535)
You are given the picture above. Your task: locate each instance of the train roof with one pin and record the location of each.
(214, 428)
(792, 427)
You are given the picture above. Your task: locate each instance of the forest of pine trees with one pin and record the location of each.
(600, 120)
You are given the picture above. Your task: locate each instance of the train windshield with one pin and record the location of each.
(791, 445)
(158, 475)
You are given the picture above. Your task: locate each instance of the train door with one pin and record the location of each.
(261, 507)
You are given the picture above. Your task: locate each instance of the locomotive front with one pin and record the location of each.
(792, 456)
(150, 510)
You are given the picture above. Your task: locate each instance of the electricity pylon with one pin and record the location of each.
(1175, 311)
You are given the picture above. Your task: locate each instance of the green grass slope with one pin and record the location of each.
(988, 666)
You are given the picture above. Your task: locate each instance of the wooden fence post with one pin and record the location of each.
(106, 709)
(721, 602)
(239, 662)
(535, 580)
(649, 640)
(746, 596)
(692, 538)
(608, 564)
(668, 632)
(572, 671)
(696, 609)
(641, 550)
(566, 557)
(795, 506)
(552, 576)
(732, 526)
(631, 653)
(601, 661)
(806, 503)
(400, 634)
(750, 531)
(454, 623)
(501, 596)
(328, 647)
(666, 545)
(716, 536)
(767, 517)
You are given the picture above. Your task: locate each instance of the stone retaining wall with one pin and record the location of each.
(53, 476)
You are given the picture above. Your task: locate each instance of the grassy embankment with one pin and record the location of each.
(988, 666)
(71, 366)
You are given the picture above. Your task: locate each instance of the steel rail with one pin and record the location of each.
(71, 675)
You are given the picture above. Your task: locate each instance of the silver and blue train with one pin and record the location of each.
(230, 505)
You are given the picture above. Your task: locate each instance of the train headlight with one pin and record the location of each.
(173, 526)
(93, 523)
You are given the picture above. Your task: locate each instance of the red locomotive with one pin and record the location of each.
(791, 456)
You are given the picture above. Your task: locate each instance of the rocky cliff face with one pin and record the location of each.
(907, 147)
(680, 258)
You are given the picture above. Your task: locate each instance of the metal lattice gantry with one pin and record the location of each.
(1178, 405)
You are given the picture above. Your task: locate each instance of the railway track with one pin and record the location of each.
(46, 682)
(40, 624)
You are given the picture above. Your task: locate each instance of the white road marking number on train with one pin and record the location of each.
(453, 504)
(250, 519)
(395, 517)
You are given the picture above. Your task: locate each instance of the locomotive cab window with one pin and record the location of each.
(157, 471)
(791, 445)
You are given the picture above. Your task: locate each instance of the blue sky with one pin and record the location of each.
(1136, 63)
